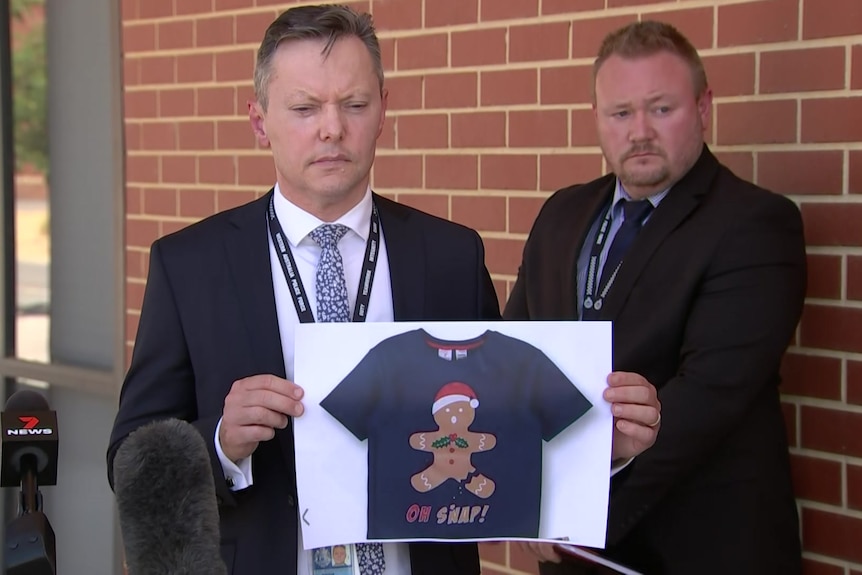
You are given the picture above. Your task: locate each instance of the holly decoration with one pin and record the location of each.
(452, 438)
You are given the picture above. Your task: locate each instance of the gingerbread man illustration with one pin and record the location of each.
(453, 444)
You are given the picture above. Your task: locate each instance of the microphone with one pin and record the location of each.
(29, 459)
(166, 500)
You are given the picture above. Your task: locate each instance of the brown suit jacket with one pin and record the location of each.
(704, 305)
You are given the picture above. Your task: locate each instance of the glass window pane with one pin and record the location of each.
(32, 197)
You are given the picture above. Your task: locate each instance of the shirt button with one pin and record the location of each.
(229, 481)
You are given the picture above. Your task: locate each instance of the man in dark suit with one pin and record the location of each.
(216, 333)
(703, 275)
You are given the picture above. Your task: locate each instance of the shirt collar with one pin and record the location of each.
(297, 223)
(621, 194)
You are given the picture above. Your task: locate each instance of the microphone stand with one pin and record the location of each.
(30, 546)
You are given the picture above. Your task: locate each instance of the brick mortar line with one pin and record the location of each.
(800, 20)
(502, 151)
(455, 192)
(492, 235)
(221, 48)
(452, 193)
(574, 16)
(824, 353)
(502, 568)
(756, 48)
(835, 250)
(848, 42)
(826, 456)
(177, 86)
(830, 404)
(481, 191)
(201, 15)
(818, 506)
(799, 95)
(831, 560)
(210, 152)
(190, 119)
(845, 304)
(245, 152)
(195, 186)
(162, 218)
(846, 92)
(845, 280)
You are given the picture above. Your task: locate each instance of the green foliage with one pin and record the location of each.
(20, 8)
(29, 81)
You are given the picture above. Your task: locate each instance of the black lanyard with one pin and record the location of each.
(593, 296)
(294, 282)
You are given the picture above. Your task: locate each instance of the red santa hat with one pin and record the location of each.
(453, 392)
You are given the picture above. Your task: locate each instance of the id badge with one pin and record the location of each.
(334, 560)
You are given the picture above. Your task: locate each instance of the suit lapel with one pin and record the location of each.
(682, 199)
(406, 254)
(247, 250)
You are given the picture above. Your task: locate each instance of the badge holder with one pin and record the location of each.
(334, 560)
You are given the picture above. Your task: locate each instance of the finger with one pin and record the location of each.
(269, 400)
(641, 433)
(238, 442)
(624, 378)
(272, 383)
(639, 414)
(638, 394)
(248, 434)
(256, 415)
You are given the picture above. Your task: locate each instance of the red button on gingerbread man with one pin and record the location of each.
(453, 444)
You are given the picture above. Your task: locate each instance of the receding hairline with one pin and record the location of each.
(325, 23)
(698, 90)
(648, 38)
(325, 52)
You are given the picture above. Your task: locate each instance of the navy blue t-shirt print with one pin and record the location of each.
(484, 404)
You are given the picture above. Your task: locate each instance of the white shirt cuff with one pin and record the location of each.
(619, 465)
(238, 475)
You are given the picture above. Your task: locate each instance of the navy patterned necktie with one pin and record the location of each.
(333, 305)
(331, 287)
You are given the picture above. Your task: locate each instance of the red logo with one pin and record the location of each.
(29, 422)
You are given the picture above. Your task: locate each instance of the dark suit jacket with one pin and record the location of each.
(208, 319)
(704, 305)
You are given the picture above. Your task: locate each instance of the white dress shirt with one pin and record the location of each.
(297, 224)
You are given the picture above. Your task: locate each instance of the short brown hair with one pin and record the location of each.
(646, 38)
(328, 22)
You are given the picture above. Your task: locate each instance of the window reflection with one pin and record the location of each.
(32, 197)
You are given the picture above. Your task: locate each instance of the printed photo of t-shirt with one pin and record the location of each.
(455, 432)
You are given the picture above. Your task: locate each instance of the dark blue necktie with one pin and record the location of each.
(634, 214)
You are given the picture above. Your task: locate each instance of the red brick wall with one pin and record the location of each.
(489, 113)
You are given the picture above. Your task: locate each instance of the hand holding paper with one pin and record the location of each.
(255, 407)
(637, 414)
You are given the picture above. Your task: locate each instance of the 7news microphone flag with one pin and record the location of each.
(29, 459)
